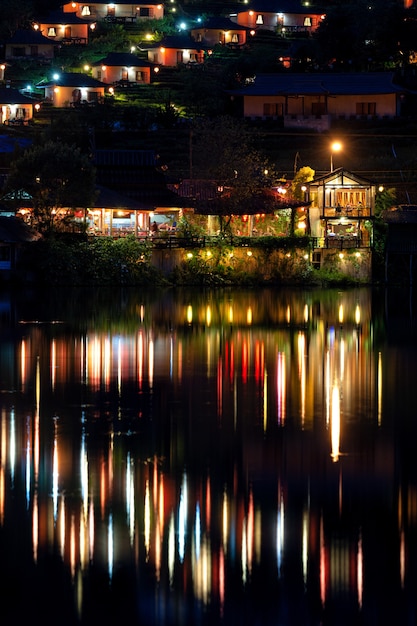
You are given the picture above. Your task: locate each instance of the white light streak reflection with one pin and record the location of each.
(171, 550)
(197, 531)
(182, 519)
(280, 533)
(305, 545)
(110, 547)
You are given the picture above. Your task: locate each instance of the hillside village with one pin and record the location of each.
(144, 91)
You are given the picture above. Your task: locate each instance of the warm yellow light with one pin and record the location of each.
(189, 255)
(336, 146)
(341, 255)
(249, 253)
(162, 49)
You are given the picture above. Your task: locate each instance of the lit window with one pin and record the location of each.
(86, 10)
(307, 21)
(51, 31)
(235, 38)
(259, 19)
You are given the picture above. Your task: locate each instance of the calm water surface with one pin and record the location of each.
(191, 457)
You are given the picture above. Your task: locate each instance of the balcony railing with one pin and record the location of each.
(349, 211)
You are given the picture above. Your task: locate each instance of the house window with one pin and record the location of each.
(199, 37)
(18, 52)
(111, 10)
(125, 75)
(318, 108)
(259, 19)
(366, 108)
(193, 57)
(307, 21)
(180, 56)
(51, 31)
(34, 51)
(86, 10)
(139, 76)
(273, 109)
(235, 38)
(146, 12)
(92, 96)
(99, 74)
(67, 33)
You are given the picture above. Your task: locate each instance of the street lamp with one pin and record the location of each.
(335, 147)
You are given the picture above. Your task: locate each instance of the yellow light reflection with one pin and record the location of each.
(225, 524)
(335, 424)
(249, 316)
(230, 314)
(357, 315)
(208, 315)
(189, 314)
(341, 314)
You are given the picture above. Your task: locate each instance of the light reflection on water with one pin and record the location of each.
(188, 457)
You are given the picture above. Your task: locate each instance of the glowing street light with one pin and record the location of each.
(335, 147)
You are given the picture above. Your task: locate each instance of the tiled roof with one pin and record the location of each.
(282, 6)
(72, 79)
(219, 23)
(63, 17)
(176, 42)
(8, 95)
(287, 83)
(125, 59)
(30, 37)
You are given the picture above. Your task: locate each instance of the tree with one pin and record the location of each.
(53, 176)
(222, 151)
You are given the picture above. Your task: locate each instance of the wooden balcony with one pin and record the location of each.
(349, 211)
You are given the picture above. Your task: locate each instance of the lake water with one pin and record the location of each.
(208, 457)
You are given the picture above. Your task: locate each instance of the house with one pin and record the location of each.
(284, 17)
(117, 12)
(29, 44)
(220, 30)
(313, 100)
(175, 49)
(341, 210)
(73, 89)
(123, 68)
(64, 27)
(15, 107)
